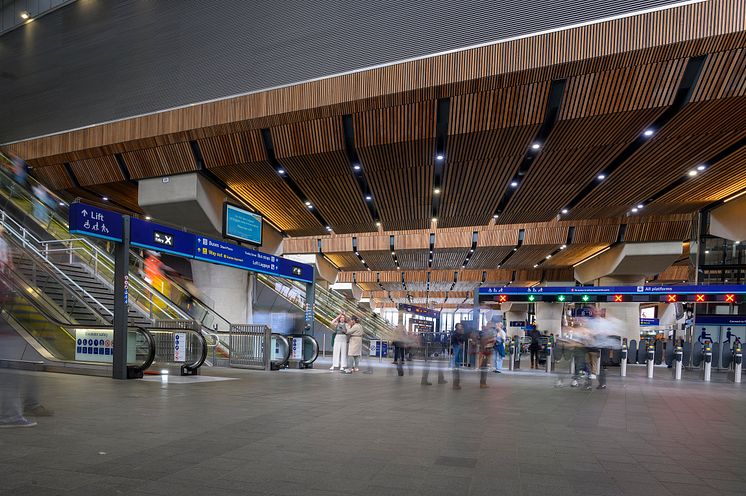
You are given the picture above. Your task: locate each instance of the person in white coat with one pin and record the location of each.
(355, 347)
(339, 353)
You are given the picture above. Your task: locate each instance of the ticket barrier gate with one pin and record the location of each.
(678, 362)
(511, 353)
(623, 359)
(650, 360)
(304, 350)
(549, 357)
(707, 358)
(737, 363)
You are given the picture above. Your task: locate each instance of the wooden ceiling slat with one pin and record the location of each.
(527, 256)
(378, 260)
(160, 161)
(396, 147)
(345, 261)
(97, 170)
(573, 254)
(314, 155)
(54, 177)
(545, 235)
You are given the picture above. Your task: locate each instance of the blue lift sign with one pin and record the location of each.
(96, 222)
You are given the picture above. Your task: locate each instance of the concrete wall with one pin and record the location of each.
(228, 288)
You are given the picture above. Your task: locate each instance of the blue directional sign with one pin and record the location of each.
(97, 222)
(611, 290)
(242, 225)
(161, 238)
(649, 322)
(220, 252)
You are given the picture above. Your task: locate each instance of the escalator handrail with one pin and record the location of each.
(72, 327)
(286, 358)
(314, 342)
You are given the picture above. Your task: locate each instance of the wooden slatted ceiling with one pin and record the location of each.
(488, 134)
(600, 233)
(346, 261)
(545, 235)
(694, 135)
(159, 161)
(573, 254)
(54, 177)
(726, 76)
(720, 180)
(378, 260)
(449, 258)
(412, 259)
(601, 114)
(663, 231)
(527, 256)
(125, 194)
(487, 257)
(396, 147)
(314, 155)
(97, 170)
(240, 160)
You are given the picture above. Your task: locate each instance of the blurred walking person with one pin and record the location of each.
(487, 340)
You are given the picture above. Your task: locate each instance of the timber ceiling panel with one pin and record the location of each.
(54, 177)
(696, 134)
(675, 273)
(573, 254)
(449, 258)
(346, 260)
(720, 180)
(98, 170)
(413, 259)
(123, 195)
(596, 233)
(601, 114)
(658, 231)
(527, 256)
(487, 257)
(396, 147)
(313, 153)
(159, 161)
(487, 137)
(240, 160)
(560, 274)
(545, 235)
(378, 260)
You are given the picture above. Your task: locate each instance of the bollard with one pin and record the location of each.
(651, 360)
(511, 348)
(517, 341)
(708, 361)
(678, 358)
(623, 362)
(737, 363)
(549, 357)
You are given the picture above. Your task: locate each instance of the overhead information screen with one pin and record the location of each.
(241, 225)
(617, 294)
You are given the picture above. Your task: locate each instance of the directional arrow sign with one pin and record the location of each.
(97, 222)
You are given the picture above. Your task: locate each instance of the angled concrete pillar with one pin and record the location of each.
(514, 312)
(630, 261)
(627, 313)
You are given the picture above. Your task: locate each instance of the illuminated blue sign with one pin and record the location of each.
(242, 225)
(97, 222)
(161, 238)
(220, 252)
(611, 290)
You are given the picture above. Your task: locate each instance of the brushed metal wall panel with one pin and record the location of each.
(91, 62)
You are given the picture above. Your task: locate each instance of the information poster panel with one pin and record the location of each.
(94, 345)
(297, 352)
(180, 347)
(241, 225)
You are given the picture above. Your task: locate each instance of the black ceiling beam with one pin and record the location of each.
(123, 168)
(521, 235)
(554, 102)
(269, 149)
(356, 166)
(683, 95)
(441, 138)
(568, 241)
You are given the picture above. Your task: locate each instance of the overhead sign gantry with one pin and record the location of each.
(617, 294)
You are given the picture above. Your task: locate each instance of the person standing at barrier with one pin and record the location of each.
(500, 338)
(355, 347)
(339, 351)
(400, 344)
(457, 345)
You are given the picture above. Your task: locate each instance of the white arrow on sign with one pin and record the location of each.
(84, 213)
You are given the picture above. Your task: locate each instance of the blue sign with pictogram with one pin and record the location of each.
(97, 222)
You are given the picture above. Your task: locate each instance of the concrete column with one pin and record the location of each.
(514, 312)
(229, 288)
(628, 313)
(549, 317)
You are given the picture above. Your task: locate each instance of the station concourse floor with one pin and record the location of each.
(315, 432)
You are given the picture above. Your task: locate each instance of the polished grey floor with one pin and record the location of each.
(322, 433)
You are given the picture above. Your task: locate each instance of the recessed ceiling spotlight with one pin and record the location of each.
(701, 167)
(281, 171)
(535, 146)
(105, 198)
(439, 157)
(328, 228)
(308, 203)
(634, 210)
(515, 249)
(435, 219)
(736, 242)
(564, 210)
(393, 253)
(692, 173)
(707, 251)
(25, 15)
(640, 206)
(363, 261)
(563, 247)
(62, 204)
(536, 265)
(648, 132)
(472, 251)
(549, 256)
(436, 191)
(495, 216)
(369, 198)
(514, 184)
(601, 177)
(147, 217)
(356, 166)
